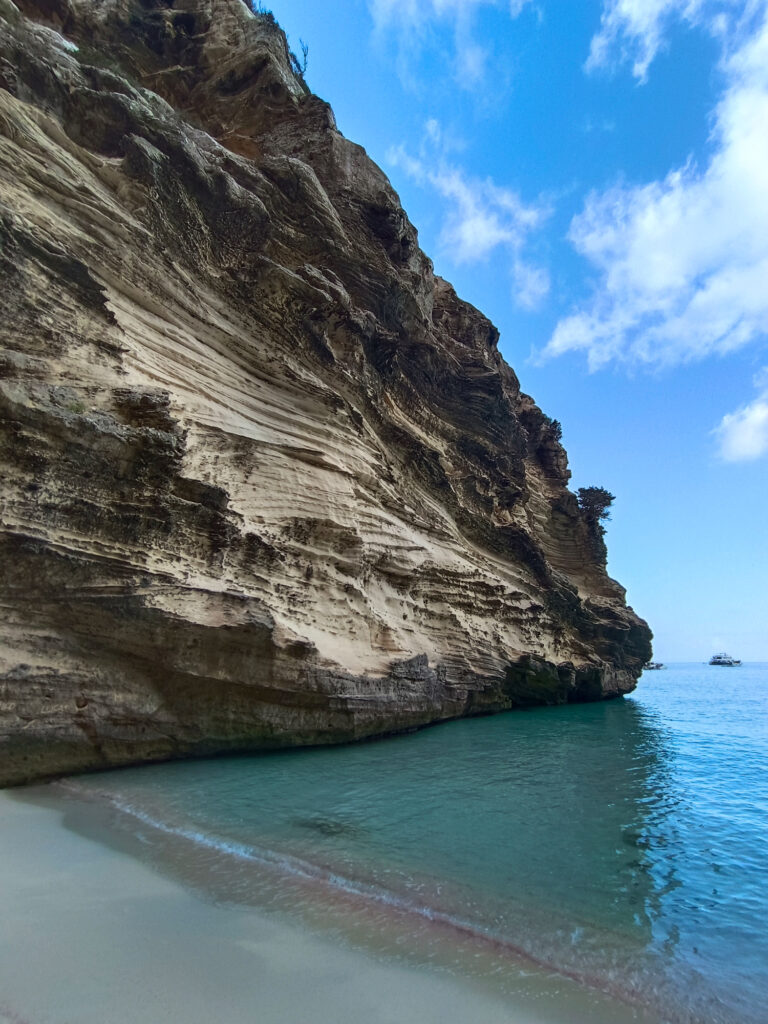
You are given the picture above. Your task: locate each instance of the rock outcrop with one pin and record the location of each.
(265, 479)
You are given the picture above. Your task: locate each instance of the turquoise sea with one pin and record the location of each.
(620, 846)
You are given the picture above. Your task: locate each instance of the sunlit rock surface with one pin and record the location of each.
(265, 478)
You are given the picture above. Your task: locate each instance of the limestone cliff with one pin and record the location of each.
(265, 480)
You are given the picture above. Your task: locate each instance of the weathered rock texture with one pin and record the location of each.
(266, 480)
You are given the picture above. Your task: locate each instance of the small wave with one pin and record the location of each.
(304, 870)
(636, 993)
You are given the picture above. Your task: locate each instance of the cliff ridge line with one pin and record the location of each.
(266, 479)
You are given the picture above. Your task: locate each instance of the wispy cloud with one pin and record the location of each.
(414, 21)
(418, 12)
(743, 435)
(479, 216)
(530, 284)
(634, 30)
(683, 263)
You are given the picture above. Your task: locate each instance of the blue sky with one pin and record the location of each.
(593, 175)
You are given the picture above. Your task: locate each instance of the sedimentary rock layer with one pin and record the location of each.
(265, 480)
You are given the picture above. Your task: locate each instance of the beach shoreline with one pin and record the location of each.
(159, 945)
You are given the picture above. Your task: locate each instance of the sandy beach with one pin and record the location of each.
(91, 934)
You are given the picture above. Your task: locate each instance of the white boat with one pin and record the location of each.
(652, 666)
(724, 659)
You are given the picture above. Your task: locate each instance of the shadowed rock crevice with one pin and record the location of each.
(266, 479)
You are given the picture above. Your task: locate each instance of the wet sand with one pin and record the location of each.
(91, 934)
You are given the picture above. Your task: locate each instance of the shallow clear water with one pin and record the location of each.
(623, 845)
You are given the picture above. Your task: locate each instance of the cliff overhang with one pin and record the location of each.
(266, 480)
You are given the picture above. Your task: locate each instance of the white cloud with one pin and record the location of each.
(683, 263)
(479, 216)
(743, 435)
(418, 12)
(471, 61)
(531, 284)
(412, 21)
(633, 30)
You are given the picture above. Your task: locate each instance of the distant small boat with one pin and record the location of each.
(653, 666)
(724, 659)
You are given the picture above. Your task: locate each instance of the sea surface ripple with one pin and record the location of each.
(623, 845)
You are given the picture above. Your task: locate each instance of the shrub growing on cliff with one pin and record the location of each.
(553, 427)
(594, 503)
(258, 8)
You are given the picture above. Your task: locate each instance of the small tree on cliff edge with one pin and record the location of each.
(594, 503)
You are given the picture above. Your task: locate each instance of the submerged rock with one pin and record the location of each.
(265, 479)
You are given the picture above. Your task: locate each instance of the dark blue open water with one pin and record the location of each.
(624, 845)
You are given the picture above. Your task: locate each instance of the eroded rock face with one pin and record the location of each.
(266, 480)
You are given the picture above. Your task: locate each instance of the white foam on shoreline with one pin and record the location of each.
(289, 865)
(90, 933)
